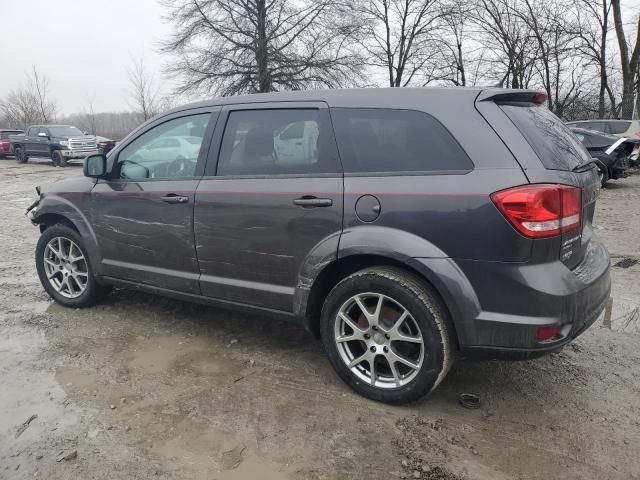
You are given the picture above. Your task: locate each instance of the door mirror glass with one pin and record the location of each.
(42, 134)
(95, 166)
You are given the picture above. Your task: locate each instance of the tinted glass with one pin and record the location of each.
(277, 142)
(597, 126)
(386, 140)
(618, 127)
(65, 131)
(5, 135)
(163, 152)
(32, 131)
(556, 146)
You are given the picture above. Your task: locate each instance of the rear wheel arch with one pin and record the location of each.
(341, 268)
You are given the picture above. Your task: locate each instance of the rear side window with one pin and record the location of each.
(556, 146)
(386, 140)
(5, 135)
(277, 142)
(618, 127)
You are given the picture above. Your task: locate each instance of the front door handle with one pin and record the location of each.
(309, 201)
(173, 198)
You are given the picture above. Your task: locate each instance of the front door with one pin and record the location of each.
(266, 207)
(143, 214)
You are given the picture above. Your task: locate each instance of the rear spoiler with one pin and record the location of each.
(512, 96)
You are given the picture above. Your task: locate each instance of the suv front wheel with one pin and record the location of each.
(63, 267)
(58, 159)
(386, 334)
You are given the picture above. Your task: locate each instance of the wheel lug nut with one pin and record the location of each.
(386, 335)
(373, 349)
(367, 336)
(386, 349)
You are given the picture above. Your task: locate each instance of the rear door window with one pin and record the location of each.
(597, 126)
(278, 142)
(618, 127)
(555, 145)
(372, 140)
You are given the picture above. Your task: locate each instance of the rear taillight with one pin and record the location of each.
(4, 143)
(541, 210)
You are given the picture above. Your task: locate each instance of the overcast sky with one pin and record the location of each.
(83, 46)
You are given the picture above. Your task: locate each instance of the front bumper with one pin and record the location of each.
(518, 299)
(70, 154)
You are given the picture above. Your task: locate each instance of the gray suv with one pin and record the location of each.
(404, 227)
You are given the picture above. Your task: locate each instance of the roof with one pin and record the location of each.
(344, 96)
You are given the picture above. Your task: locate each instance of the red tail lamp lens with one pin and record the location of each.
(542, 210)
(547, 333)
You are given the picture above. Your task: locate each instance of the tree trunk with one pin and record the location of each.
(262, 57)
(629, 62)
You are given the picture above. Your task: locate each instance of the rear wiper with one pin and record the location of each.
(583, 167)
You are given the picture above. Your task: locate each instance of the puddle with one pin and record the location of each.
(29, 388)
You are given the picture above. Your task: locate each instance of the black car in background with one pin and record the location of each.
(612, 152)
(105, 145)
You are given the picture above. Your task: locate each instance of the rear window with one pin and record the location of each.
(387, 140)
(5, 135)
(618, 127)
(556, 146)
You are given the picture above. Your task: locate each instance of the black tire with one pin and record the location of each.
(21, 157)
(429, 316)
(92, 289)
(58, 159)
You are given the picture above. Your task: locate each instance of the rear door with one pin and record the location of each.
(266, 205)
(31, 140)
(143, 214)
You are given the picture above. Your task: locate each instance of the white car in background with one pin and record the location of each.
(170, 148)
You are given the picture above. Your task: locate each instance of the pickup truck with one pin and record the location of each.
(60, 143)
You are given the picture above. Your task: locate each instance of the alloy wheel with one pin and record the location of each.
(379, 340)
(66, 267)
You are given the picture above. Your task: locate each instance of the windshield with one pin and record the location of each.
(65, 131)
(556, 146)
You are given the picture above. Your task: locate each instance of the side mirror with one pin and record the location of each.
(95, 166)
(42, 134)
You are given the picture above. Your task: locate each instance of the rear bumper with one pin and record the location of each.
(515, 300)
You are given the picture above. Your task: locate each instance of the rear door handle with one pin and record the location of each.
(310, 201)
(173, 198)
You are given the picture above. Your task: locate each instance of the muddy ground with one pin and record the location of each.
(142, 387)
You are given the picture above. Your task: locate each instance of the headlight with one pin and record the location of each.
(64, 143)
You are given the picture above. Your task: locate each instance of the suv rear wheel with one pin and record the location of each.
(21, 157)
(386, 334)
(63, 267)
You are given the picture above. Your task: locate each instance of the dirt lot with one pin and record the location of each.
(143, 387)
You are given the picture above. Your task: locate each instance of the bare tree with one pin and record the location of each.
(629, 59)
(143, 91)
(592, 29)
(30, 103)
(243, 46)
(40, 87)
(399, 36)
(506, 34)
